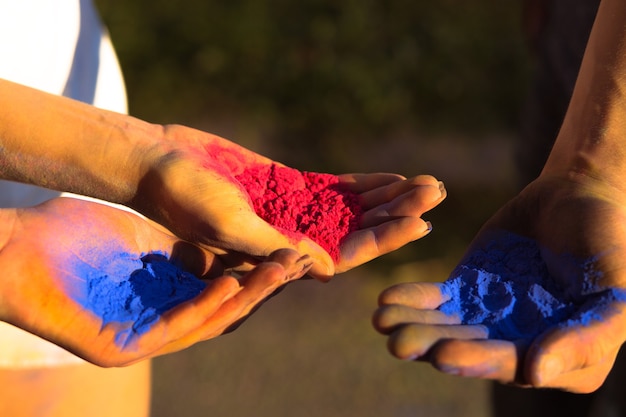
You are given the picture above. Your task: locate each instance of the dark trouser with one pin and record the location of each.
(558, 31)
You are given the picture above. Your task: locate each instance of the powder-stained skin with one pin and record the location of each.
(296, 202)
(308, 203)
(135, 291)
(506, 286)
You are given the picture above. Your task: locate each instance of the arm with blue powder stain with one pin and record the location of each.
(167, 173)
(115, 288)
(572, 220)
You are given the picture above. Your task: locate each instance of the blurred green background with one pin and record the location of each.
(353, 86)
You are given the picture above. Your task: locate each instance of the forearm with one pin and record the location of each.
(66, 145)
(592, 140)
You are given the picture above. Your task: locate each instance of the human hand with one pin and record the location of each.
(392, 209)
(204, 188)
(189, 181)
(115, 289)
(577, 227)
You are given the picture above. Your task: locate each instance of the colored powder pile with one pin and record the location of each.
(137, 290)
(293, 201)
(506, 287)
(313, 204)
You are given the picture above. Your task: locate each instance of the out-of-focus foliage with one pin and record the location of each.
(316, 75)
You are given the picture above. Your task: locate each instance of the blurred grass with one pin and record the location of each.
(319, 77)
(404, 86)
(309, 352)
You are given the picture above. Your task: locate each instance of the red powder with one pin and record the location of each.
(303, 202)
(295, 202)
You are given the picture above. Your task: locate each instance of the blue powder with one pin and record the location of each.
(506, 286)
(134, 290)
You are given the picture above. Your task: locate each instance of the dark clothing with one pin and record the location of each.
(557, 32)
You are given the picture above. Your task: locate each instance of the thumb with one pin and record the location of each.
(260, 237)
(577, 356)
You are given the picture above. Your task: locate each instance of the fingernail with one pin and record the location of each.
(450, 370)
(330, 269)
(551, 367)
(429, 228)
(302, 266)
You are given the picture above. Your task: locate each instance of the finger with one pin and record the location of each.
(577, 346)
(234, 262)
(422, 191)
(413, 341)
(265, 239)
(210, 324)
(367, 244)
(418, 295)
(388, 318)
(224, 302)
(170, 332)
(195, 260)
(259, 284)
(256, 286)
(489, 359)
(412, 204)
(584, 380)
(360, 183)
(295, 266)
(304, 263)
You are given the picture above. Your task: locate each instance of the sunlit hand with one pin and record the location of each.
(192, 190)
(114, 288)
(583, 220)
(392, 214)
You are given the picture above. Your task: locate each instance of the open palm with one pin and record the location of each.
(192, 190)
(115, 288)
(569, 219)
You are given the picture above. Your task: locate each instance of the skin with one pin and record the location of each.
(40, 245)
(577, 206)
(162, 171)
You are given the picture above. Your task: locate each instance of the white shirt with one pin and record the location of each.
(61, 47)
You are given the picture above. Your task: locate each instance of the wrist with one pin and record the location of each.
(66, 145)
(591, 145)
(126, 150)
